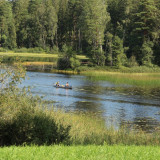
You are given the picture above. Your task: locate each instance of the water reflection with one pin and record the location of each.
(116, 103)
(146, 124)
(88, 106)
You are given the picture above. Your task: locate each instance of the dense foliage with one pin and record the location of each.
(23, 119)
(110, 32)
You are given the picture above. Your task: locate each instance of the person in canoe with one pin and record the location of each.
(67, 84)
(57, 83)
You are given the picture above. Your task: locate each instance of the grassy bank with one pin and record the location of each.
(90, 152)
(145, 80)
(12, 54)
(25, 120)
(8, 57)
(11, 57)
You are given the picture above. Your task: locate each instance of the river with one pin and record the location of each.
(115, 103)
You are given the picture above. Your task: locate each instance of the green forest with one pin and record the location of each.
(109, 32)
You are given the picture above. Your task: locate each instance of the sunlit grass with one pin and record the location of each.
(12, 54)
(85, 128)
(37, 63)
(81, 57)
(64, 71)
(149, 80)
(90, 152)
(28, 54)
(91, 129)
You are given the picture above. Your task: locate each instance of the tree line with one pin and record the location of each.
(110, 32)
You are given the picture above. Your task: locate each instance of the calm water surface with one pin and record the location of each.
(116, 103)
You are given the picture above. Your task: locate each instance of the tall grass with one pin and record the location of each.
(146, 80)
(89, 129)
(134, 69)
(39, 66)
(24, 119)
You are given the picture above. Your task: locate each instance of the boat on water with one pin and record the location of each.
(63, 86)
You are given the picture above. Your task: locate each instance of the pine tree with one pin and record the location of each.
(108, 42)
(48, 23)
(62, 23)
(93, 20)
(42, 24)
(34, 32)
(74, 12)
(20, 11)
(118, 56)
(7, 28)
(145, 26)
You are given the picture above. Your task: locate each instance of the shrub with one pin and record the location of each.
(63, 63)
(54, 50)
(23, 122)
(98, 57)
(22, 119)
(132, 62)
(74, 63)
(67, 58)
(3, 49)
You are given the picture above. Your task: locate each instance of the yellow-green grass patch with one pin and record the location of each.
(90, 152)
(36, 63)
(29, 54)
(136, 79)
(35, 55)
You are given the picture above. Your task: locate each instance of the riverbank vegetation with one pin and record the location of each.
(109, 32)
(142, 80)
(25, 119)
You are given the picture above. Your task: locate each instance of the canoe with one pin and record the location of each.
(62, 86)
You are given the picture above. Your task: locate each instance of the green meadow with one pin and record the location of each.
(90, 152)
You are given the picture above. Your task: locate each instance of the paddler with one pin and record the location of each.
(57, 83)
(67, 84)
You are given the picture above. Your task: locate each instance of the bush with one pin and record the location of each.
(132, 62)
(98, 57)
(3, 49)
(63, 63)
(54, 50)
(21, 121)
(74, 63)
(67, 59)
